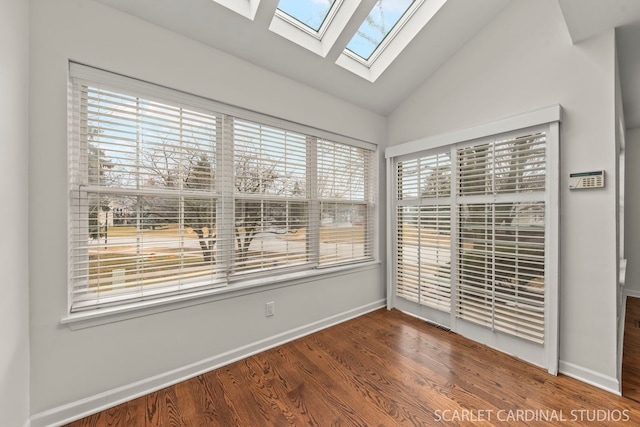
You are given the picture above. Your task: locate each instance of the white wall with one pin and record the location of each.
(14, 309)
(14, 139)
(67, 365)
(632, 212)
(522, 61)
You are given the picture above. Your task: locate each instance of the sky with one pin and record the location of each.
(382, 18)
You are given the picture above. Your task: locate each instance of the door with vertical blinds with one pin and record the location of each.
(472, 238)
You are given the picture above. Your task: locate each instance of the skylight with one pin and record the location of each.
(384, 16)
(313, 24)
(311, 13)
(324, 26)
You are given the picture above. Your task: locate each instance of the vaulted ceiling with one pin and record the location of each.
(248, 29)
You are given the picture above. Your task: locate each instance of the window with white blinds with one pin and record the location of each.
(170, 193)
(479, 207)
(344, 188)
(271, 206)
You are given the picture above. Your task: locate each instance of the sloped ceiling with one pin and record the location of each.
(456, 22)
(212, 24)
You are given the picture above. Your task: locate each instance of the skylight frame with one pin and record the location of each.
(319, 42)
(388, 38)
(328, 19)
(421, 13)
(247, 8)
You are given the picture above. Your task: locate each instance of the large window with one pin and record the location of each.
(170, 193)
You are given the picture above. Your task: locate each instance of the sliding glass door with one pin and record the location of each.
(474, 231)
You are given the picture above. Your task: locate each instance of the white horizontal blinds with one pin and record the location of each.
(475, 170)
(476, 291)
(343, 185)
(511, 165)
(143, 208)
(435, 256)
(271, 215)
(519, 269)
(149, 144)
(268, 160)
(423, 268)
(167, 196)
(408, 253)
(520, 164)
(501, 267)
(423, 264)
(501, 235)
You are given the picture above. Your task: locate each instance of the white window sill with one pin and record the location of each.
(102, 316)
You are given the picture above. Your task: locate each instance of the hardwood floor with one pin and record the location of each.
(381, 369)
(631, 353)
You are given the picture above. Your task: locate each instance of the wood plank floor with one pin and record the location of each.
(631, 353)
(381, 369)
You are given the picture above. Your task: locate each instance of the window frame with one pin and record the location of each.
(232, 285)
(415, 19)
(387, 37)
(326, 21)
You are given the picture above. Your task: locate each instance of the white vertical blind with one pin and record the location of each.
(168, 196)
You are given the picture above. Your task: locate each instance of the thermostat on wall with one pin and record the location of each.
(593, 179)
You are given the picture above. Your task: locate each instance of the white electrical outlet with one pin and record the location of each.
(271, 308)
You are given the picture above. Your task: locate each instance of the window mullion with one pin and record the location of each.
(313, 237)
(225, 204)
(181, 201)
(139, 218)
(453, 233)
(493, 266)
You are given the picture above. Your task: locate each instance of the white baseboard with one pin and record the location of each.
(631, 293)
(79, 409)
(593, 378)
